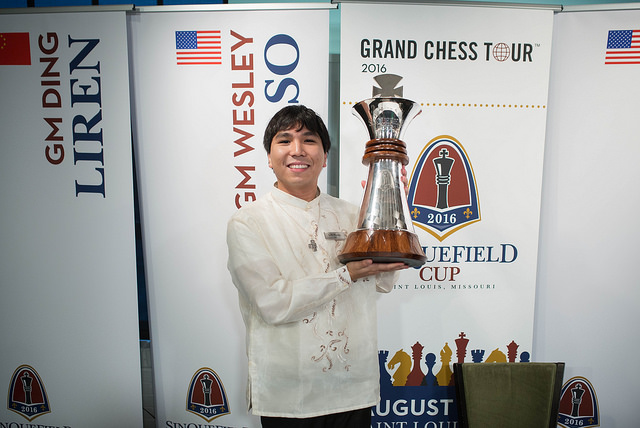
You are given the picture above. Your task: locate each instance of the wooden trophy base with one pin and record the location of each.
(383, 246)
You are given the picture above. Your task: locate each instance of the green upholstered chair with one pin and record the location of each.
(508, 395)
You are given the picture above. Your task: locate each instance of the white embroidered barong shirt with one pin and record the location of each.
(311, 330)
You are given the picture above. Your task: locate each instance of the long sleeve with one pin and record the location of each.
(278, 296)
(385, 281)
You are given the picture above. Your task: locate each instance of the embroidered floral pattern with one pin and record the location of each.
(336, 348)
(308, 320)
(343, 277)
(334, 345)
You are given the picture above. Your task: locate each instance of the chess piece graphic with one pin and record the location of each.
(443, 166)
(477, 355)
(385, 377)
(496, 356)
(445, 373)
(206, 389)
(461, 347)
(430, 378)
(416, 376)
(512, 351)
(401, 374)
(576, 399)
(26, 387)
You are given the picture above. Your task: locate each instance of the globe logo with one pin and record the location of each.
(501, 52)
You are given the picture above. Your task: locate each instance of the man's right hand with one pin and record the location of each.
(362, 268)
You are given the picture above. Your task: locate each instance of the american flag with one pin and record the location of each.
(198, 47)
(623, 47)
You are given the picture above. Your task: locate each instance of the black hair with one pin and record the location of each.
(296, 116)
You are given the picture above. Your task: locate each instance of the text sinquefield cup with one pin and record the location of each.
(385, 233)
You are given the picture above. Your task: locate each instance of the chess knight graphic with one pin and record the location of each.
(443, 196)
(27, 395)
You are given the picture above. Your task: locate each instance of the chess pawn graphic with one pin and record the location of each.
(384, 229)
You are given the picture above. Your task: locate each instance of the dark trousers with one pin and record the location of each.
(354, 419)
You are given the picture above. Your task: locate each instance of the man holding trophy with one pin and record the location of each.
(311, 320)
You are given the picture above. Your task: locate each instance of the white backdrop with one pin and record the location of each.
(199, 152)
(465, 66)
(68, 310)
(68, 259)
(588, 296)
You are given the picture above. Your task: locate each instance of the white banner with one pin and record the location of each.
(587, 282)
(70, 354)
(205, 85)
(480, 75)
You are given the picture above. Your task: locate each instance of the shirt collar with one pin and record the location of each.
(284, 197)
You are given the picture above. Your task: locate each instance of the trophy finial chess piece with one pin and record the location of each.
(384, 232)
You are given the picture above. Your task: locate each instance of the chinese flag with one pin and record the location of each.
(14, 49)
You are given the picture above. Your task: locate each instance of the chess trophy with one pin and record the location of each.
(384, 230)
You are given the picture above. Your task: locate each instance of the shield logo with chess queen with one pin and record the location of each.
(443, 193)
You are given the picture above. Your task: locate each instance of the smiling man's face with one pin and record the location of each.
(297, 158)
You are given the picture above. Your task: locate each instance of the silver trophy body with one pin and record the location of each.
(385, 232)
